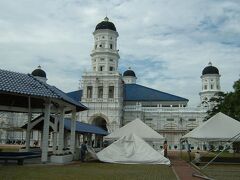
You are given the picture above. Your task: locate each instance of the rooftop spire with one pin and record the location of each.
(106, 19)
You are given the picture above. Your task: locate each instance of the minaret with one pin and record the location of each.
(105, 54)
(102, 86)
(210, 85)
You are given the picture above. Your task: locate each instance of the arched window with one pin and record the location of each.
(89, 91)
(111, 68)
(100, 91)
(111, 92)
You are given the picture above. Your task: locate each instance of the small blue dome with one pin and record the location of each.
(129, 72)
(106, 25)
(210, 69)
(39, 72)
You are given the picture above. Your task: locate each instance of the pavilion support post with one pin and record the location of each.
(55, 135)
(73, 130)
(80, 138)
(77, 141)
(66, 139)
(89, 139)
(28, 132)
(41, 138)
(46, 132)
(95, 140)
(61, 131)
(101, 141)
(84, 138)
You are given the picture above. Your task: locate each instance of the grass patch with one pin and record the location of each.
(223, 172)
(184, 155)
(88, 171)
(218, 172)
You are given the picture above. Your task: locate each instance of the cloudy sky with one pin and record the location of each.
(166, 42)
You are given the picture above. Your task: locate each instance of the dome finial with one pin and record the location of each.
(39, 67)
(210, 63)
(106, 19)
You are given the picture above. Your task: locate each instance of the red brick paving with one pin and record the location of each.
(183, 170)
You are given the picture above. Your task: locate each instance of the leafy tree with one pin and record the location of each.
(227, 103)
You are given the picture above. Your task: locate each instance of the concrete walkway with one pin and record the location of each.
(182, 169)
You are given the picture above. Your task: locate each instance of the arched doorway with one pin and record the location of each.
(101, 122)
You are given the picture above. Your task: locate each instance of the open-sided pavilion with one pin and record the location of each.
(24, 93)
(82, 129)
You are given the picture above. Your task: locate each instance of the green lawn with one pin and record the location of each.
(86, 171)
(223, 172)
(219, 172)
(184, 155)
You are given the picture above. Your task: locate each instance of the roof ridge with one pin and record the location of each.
(11, 71)
(160, 91)
(44, 84)
(74, 91)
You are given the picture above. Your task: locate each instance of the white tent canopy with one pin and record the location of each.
(218, 128)
(131, 149)
(137, 127)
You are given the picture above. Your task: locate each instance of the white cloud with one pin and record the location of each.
(167, 43)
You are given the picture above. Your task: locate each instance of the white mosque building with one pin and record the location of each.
(114, 99)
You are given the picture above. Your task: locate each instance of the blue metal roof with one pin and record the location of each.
(84, 128)
(80, 126)
(76, 95)
(26, 84)
(136, 92)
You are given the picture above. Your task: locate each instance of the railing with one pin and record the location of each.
(165, 109)
(106, 100)
(100, 73)
(99, 50)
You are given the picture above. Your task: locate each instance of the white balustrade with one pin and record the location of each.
(165, 109)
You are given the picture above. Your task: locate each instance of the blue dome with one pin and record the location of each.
(210, 69)
(106, 25)
(39, 72)
(129, 72)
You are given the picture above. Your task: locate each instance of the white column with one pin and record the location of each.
(73, 130)
(28, 132)
(55, 134)
(101, 141)
(89, 139)
(61, 131)
(45, 132)
(66, 139)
